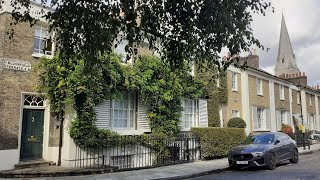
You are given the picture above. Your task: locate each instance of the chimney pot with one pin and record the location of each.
(304, 74)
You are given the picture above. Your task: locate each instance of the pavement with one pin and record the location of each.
(179, 171)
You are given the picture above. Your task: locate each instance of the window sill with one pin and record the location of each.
(234, 90)
(260, 94)
(282, 99)
(37, 55)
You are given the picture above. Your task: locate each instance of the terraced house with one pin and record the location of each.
(265, 101)
(28, 131)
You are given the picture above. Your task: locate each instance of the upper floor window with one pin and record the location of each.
(298, 98)
(42, 42)
(259, 86)
(234, 82)
(121, 50)
(281, 91)
(310, 100)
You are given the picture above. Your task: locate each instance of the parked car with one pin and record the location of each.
(267, 149)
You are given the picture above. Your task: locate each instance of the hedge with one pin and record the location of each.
(236, 122)
(216, 142)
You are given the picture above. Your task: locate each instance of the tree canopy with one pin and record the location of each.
(178, 30)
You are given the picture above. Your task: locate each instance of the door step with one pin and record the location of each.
(31, 164)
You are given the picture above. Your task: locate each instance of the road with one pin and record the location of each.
(307, 168)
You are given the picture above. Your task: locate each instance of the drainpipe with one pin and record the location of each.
(61, 119)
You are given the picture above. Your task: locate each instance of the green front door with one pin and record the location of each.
(32, 134)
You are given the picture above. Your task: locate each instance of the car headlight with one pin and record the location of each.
(257, 154)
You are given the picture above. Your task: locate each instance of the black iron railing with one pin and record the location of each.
(132, 152)
(302, 139)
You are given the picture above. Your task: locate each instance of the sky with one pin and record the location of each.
(302, 19)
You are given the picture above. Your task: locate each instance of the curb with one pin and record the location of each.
(305, 152)
(197, 174)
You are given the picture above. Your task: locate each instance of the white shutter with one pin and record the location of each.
(143, 119)
(102, 111)
(203, 113)
(268, 123)
(254, 117)
(182, 115)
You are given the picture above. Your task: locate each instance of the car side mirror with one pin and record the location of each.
(277, 142)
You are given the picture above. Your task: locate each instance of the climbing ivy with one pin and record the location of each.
(217, 95)
(164, 91)
(66, 81)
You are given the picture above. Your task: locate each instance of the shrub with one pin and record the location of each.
(216, 142)
(286, 129)
(236, 123)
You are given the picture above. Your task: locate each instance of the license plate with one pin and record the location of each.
(242, 162)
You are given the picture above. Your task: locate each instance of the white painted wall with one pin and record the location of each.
(245, 111)
(8, 158)
(273, 119)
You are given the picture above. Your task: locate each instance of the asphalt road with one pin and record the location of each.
(307, 168)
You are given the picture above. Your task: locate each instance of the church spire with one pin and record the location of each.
(286, 61)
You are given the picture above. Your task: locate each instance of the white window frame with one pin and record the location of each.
(310, 100)
(298, 97)
(261, 118)
(129, 109)
(311, 121)
(41, 39)
(259, 86)
(283, 117)
(281, 92)
(234, 81)
(235, 113)
(186, 123)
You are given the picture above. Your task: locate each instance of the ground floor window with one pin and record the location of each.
(188, 119)
(260, 117)
(235, 113)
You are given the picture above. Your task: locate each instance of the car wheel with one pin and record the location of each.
(295, 158)
(271, 161)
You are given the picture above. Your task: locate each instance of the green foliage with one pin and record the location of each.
(173, 28)
(217, 96)
(216, 142)
(236, 123)
(164, 91)
(65, 81)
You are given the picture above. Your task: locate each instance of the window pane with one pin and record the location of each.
(37, 31)
(44, 32)
(36, 48)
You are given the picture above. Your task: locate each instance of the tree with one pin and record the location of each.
(179, 30)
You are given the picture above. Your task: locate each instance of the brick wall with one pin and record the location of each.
(311, 108)
(258, 100)
(234, 98)
(281, 104)
(296, 108)
(13, 82)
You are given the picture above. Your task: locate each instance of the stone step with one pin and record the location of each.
(31, 164)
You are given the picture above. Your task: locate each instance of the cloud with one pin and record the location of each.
(303, 27)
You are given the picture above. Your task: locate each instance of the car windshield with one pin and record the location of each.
(260, 139)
